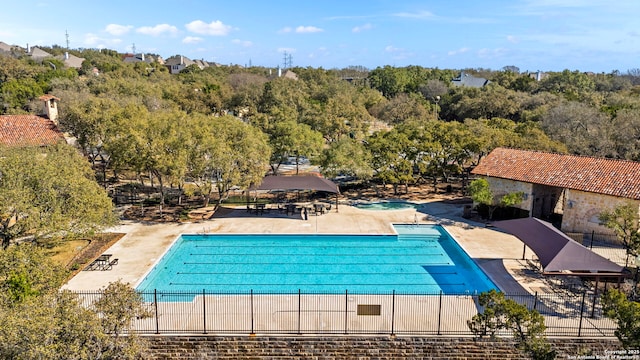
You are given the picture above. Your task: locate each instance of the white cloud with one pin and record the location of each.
(157, 30)
(364, 27)
(191, 40)
(284, 30)
(513, 39)
(287, 50)
(320, 52)
(416, 15)
(491, 53)
(117, 30)
(95, 41)
(308, 29)
(215, 28)
(391, 48)
(459, 51)
(243, 43)
(91, 39)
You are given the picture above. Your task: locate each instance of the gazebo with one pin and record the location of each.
(298, 183)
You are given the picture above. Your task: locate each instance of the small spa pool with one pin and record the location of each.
(386, 205)
(419, 259)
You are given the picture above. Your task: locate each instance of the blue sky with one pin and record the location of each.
(547, 35)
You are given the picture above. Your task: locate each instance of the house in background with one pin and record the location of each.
(575, 188)
(469, 81)
(71, 60)
(288, 74)
(135, 58)
(177, 63)
(32, 130)
(37, 54)
(4, 47)
(538, 75)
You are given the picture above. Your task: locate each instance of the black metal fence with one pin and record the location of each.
(566, 314)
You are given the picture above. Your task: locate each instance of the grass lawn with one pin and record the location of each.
(64, 253)
(75, 255)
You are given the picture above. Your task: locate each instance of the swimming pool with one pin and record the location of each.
(386, 205)
(420, 259)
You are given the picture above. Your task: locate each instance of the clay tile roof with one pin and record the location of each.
(47, 97)
(22, 130)
(598, 175)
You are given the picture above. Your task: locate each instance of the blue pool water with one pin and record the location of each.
(420, 259)
(386, 205)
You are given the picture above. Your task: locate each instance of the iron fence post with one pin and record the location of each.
(299, 310)
(251, 303)
(204, 312)
(584, 294)
(393, 312)
(346, 310)
(439, 311)
(155, 304)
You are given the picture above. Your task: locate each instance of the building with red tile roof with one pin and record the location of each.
(577, 188)
(32, 130)
(28, 130)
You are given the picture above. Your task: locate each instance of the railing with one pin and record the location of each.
(566, 315)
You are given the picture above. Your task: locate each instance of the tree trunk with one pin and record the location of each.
(160, 184)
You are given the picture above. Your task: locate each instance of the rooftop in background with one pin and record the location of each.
(469, 81)
(598, 175)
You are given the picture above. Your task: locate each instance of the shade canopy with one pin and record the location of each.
(556, 251)
(297, 183)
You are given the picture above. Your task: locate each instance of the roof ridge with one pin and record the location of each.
(568, 155)
(615, 177)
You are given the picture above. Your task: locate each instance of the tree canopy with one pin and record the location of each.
(37, 321)
(47, 194)
(119, 116)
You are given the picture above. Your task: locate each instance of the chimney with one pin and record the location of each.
(50, 107)
(279, 71)
(28, 49)
(142, 56)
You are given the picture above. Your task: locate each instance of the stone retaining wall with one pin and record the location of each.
(362, 348)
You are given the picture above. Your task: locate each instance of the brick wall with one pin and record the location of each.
(360, 348)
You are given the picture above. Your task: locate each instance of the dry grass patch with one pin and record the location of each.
(75, 255)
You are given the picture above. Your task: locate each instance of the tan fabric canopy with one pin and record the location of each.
(297, 183)
(556, 251)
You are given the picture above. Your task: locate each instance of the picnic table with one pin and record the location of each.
(102, 262)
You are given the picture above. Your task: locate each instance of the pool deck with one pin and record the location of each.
(497, 253)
